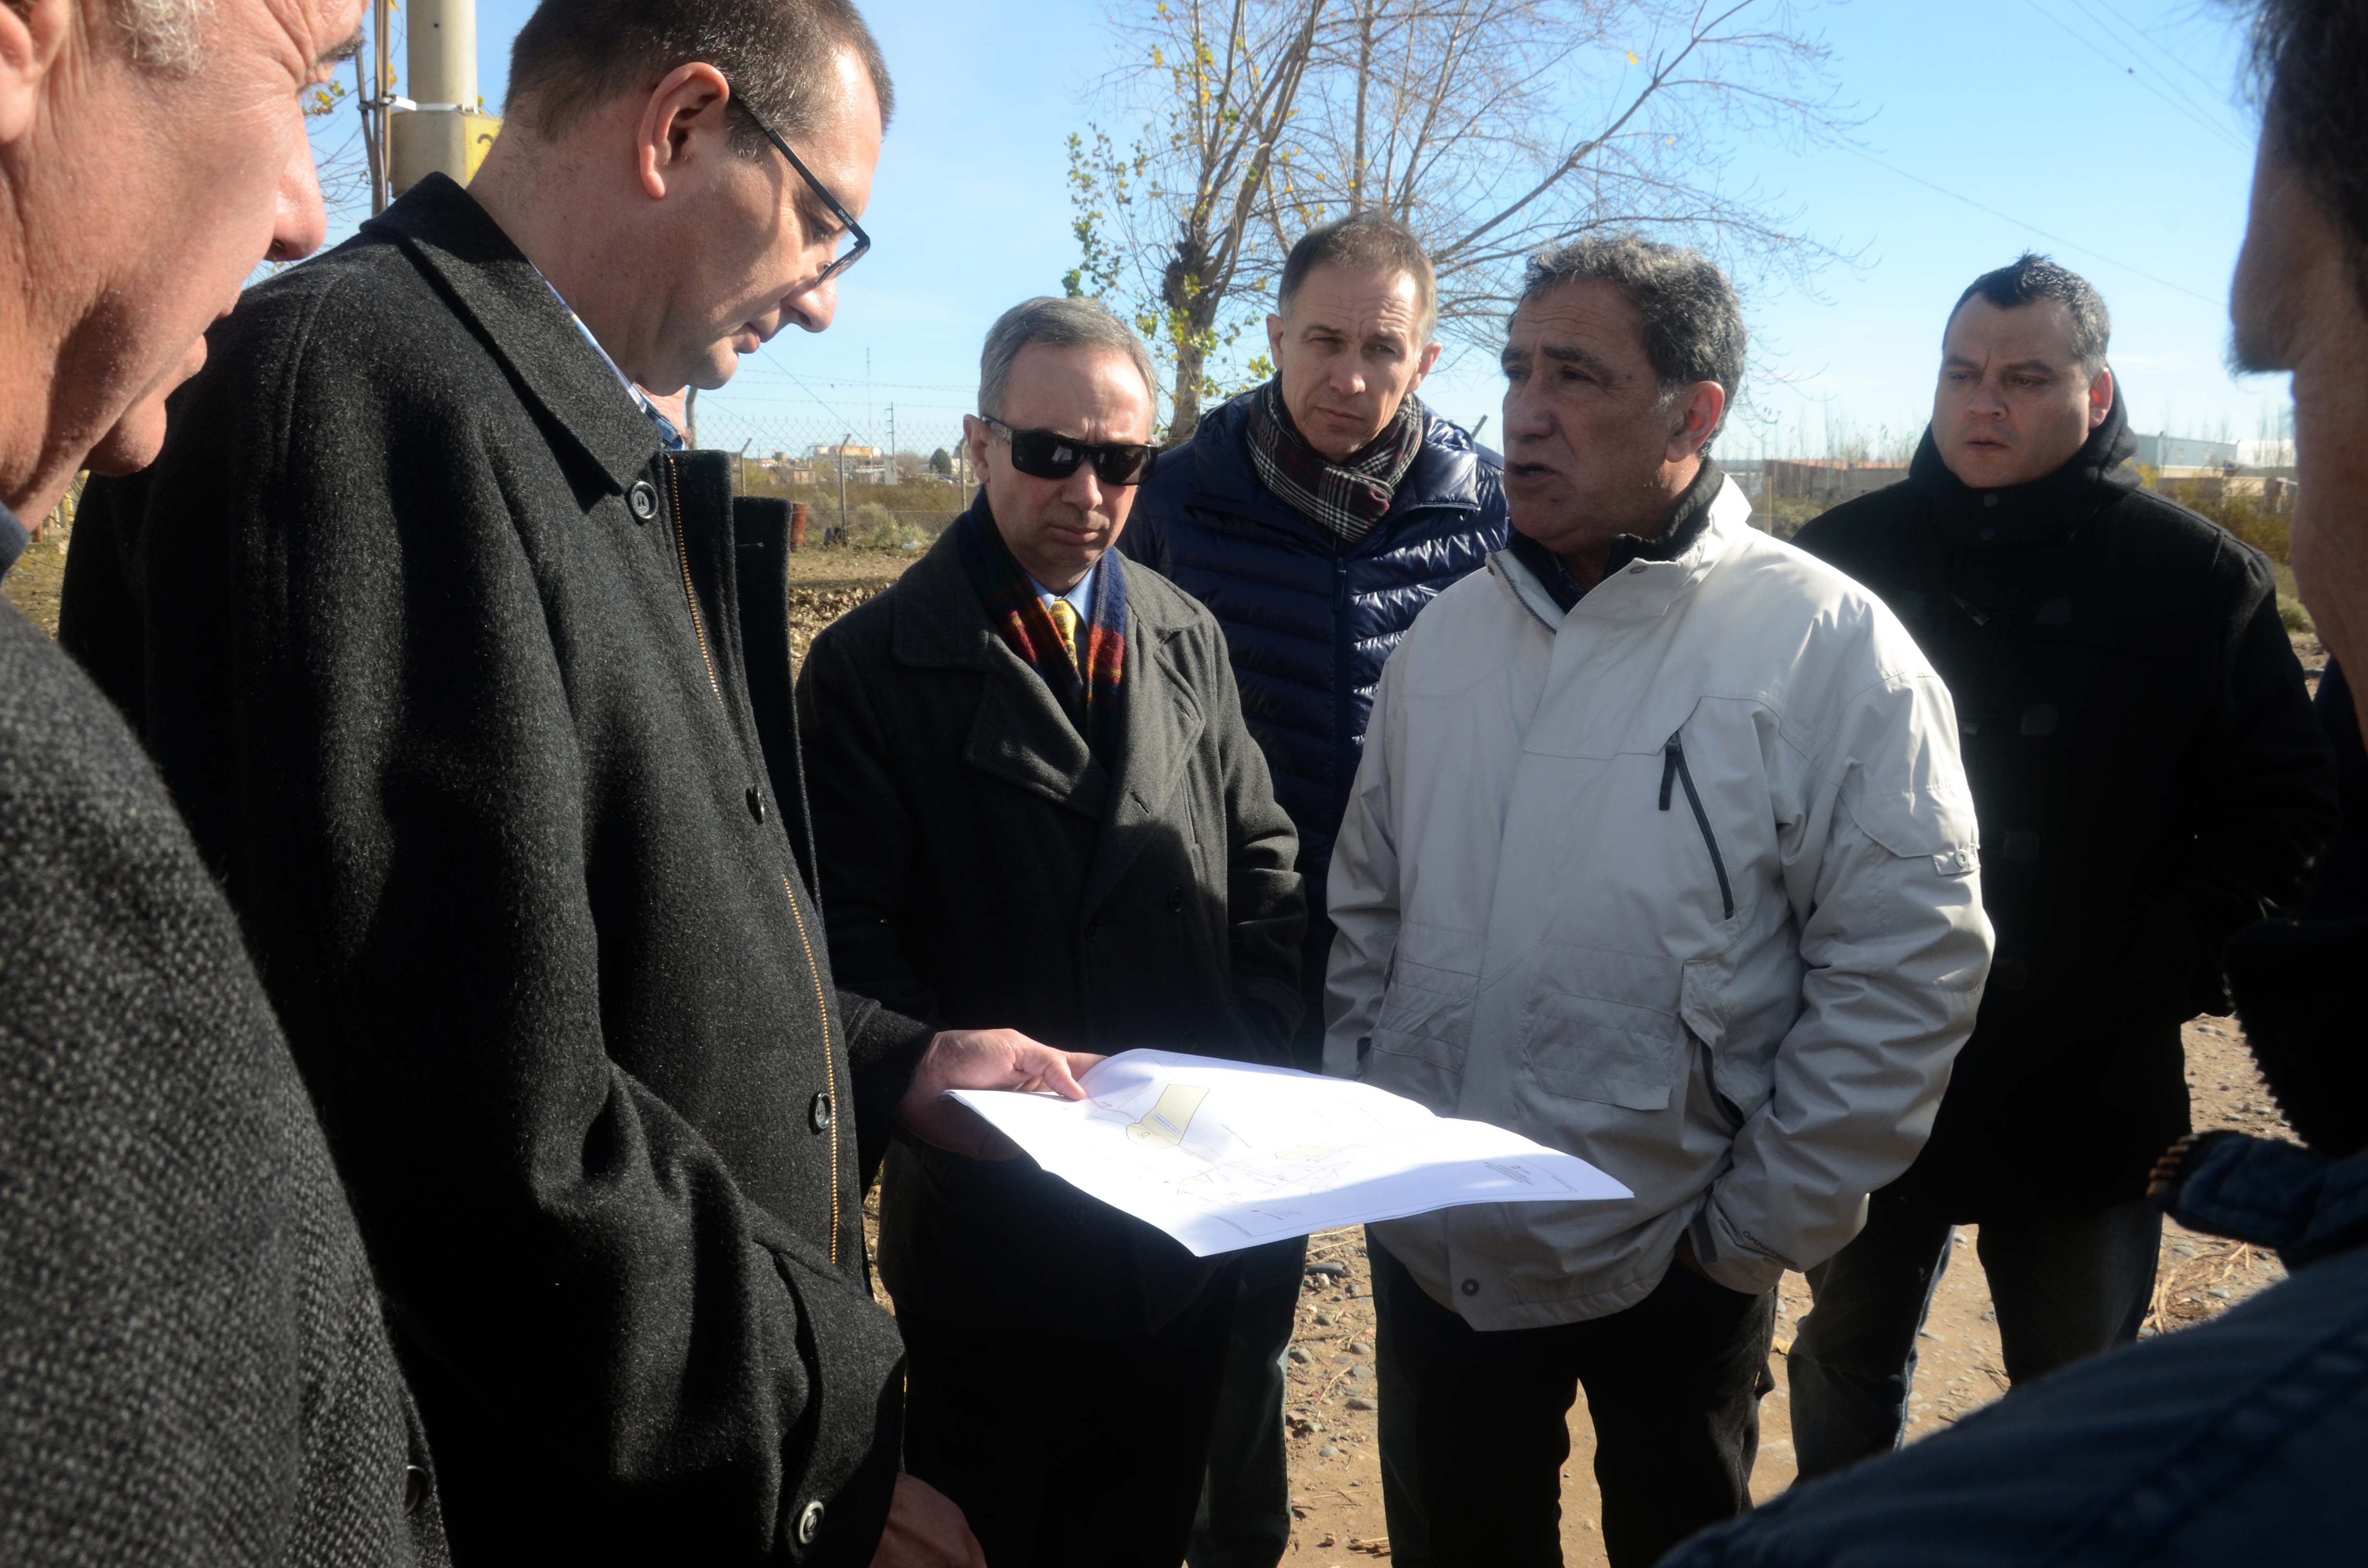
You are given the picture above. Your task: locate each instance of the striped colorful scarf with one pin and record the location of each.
(1091, 696)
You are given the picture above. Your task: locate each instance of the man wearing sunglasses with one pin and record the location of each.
(476, 693)
(1036, 803)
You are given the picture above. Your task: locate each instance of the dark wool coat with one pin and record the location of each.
(2149, 779)
(984, 871)
(193, 1367)
(1309, 619)
(480, 708)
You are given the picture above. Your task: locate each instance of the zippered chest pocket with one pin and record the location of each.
(1675, 771)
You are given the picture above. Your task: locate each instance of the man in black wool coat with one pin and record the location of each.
(477, 695)
(1035, 800)
(2150, 779)
(194, 1367)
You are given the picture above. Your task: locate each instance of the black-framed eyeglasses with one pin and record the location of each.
(1048, 454)
(831, 204)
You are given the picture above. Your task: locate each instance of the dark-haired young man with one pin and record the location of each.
(1316, 516)
(2150, 779)
(477, 695)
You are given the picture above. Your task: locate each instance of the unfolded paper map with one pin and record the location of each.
(1221, 1156)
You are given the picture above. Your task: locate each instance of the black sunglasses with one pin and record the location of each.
(822, 193)
(1048, 454)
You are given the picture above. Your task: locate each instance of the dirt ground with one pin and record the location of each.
(1336, 1486)
(827, 584)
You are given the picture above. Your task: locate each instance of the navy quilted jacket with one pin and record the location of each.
(1308, 620)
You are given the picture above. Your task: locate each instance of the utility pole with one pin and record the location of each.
(843, 441)
(437, 127)
(892, 476)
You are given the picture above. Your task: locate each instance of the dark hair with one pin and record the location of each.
(2033, 277)
(2310, 59)
(1055, 323)
(1365, 242)
(782, 55)
(1693, 322)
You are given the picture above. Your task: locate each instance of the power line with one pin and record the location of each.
(2106, 27)
(2164, 49)
(755, 372)
(2043, 233)
(2192, 116)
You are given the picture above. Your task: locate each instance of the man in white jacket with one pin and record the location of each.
(1661, 853)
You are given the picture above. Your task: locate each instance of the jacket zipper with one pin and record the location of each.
(829, 1061)
(1674, 769)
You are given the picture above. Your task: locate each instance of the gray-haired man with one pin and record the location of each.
(1696, 899)
(1035, 801)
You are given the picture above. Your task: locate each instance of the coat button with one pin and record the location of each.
(1175, 900)
(1990, 500)
(1472, 1287)
(644, 499)
(809, 1524)
(821, 1113)
(756, 802)
(415, 1488)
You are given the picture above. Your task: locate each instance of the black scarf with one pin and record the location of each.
(1687, 520)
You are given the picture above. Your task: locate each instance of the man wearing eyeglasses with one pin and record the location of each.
(1035, 803)
(476, 692)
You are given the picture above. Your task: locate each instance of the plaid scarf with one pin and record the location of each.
(1091, 698)
(1344, 499)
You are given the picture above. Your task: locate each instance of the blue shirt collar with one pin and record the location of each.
(1081, 598)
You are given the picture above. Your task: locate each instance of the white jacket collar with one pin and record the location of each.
(1643, 590)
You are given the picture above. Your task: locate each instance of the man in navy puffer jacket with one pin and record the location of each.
(1316, 516)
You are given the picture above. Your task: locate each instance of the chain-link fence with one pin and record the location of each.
(890, 476)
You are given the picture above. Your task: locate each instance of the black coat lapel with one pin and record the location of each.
(1021, 734)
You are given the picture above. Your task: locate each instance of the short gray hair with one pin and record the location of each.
(1055, 323)
(1693, 322)
(162, 35)
(2031, 278)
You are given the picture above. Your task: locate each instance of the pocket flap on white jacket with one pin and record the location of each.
(1603, 1026)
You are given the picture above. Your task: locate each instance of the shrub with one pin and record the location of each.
(874, 527)
(2270, 532)
(2297, 618)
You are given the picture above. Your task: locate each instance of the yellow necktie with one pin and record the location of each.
(1064, 621)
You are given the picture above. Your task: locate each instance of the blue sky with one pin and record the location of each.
(2105, 131)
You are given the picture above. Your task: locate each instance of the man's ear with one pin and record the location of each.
(32, 34)
(682, 122)
(1422, 367)
(1699, 412)
(976, 436)
(2100, 397)
(1274, 339)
